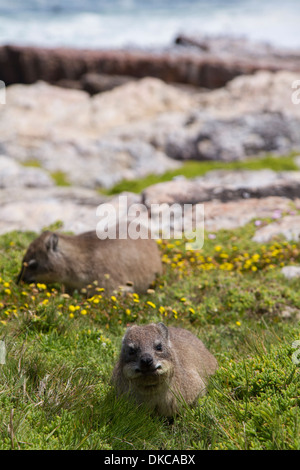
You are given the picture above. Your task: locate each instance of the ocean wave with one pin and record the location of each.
(123, 23)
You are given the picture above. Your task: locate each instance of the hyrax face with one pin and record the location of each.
(39, 263)
(146, 356)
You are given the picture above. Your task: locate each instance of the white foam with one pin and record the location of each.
(152, 27)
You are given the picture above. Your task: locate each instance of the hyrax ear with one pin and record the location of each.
(51, 241)
(163, 329)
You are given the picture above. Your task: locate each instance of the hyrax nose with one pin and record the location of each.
(146, 361)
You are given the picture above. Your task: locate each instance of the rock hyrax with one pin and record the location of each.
(160, 366)
(77, 260)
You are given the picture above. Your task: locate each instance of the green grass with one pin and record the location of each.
(60, 178)
(55, 390)
(192, 169)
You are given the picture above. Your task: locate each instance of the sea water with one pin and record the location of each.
(145, 23)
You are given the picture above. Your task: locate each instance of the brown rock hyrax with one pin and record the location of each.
(160, 366)
(78, 260)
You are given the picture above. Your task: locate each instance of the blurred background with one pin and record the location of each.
(165, 100)
(122, 23)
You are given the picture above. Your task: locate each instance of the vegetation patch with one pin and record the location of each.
(192, 169)
(55, 390)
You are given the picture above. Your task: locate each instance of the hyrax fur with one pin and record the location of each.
(160, 365)
(78, 260)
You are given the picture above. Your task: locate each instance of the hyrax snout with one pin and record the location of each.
(160, 366)
(78, 260)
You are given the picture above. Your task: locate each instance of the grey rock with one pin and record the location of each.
(288, 227)
(291, 272)
(14, 175)
(225, 185)
(36, 208)
(234, 139)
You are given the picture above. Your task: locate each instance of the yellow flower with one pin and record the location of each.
(7, 291)
(83, 312)
(71, 308)
(227, 266)
(151, 304)
(183, 299)
(41, 286)
(6, 284)
(162, 309)
(71, 315)
(218, 248)
(113, 298)
(238, 323)
(191, 310)
(128, 311)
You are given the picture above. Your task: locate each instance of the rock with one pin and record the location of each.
(291, 272)
(234, 139)
(36, 208)
(250, 116)
(297, 161)
(238, 47)
(14, 175)
(288, 226)
(137, 101)
(210, 66)
(261, 92)
(94, 163)
(95, 83)
(224, 185)
(234, 214)
(69, 134)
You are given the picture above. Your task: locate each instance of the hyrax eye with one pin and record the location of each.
(32, 264)
(158, 347)
(131, 350)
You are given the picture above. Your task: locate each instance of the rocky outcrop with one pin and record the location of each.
(67, 131)
(207, 138)
(291, 272)
(288, 227)
(209, 63)
(14, 175)
(249, 116)
(33, 209)
(224, 186)
(36, 208)
(143, 127)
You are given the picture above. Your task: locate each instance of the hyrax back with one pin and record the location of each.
(76, 261)
(159, 366)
